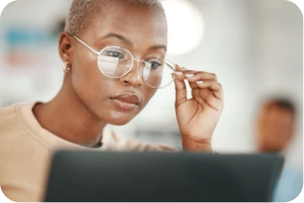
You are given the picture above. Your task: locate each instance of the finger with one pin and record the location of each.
(193, 77)
(189, 73)
(193, 85)
(178, 68)
(180, 85)
(196, 76)
(214, 86)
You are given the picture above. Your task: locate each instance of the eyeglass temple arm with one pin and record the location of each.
(90, 48)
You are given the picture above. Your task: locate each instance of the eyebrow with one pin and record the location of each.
(122, 38)
(158, 47)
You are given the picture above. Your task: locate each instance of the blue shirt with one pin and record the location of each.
(289, 185)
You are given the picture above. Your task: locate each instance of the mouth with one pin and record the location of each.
(126, 101)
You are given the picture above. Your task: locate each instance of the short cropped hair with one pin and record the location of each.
(82, 10)
(283, 103)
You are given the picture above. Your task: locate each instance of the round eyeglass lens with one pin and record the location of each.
(158, 73)
(114, 62)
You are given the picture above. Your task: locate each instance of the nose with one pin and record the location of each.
(133, 78)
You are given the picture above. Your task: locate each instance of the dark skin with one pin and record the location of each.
(83, 106)
(275, 128)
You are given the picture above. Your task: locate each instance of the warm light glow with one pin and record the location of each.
(185, 26)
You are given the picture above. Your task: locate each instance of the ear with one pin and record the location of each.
(65, 47)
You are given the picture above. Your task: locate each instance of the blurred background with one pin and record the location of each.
(254, 47)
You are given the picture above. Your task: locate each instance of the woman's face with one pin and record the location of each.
(140, 30)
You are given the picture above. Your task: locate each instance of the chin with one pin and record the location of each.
(118, 118)
(113, 115)
(118, 121)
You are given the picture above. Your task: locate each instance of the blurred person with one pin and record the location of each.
(275, 125)
(113, 53)
(275, 129)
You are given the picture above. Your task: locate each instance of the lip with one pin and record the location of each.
(126, 101)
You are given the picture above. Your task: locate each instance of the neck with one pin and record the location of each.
(68, 118)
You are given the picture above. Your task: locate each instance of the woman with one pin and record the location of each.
(103, 87)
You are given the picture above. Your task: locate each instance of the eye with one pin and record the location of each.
(154, 64)
(116, 54)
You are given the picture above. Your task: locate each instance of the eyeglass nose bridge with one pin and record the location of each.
(140, 69)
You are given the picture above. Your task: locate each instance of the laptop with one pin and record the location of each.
(88, 176)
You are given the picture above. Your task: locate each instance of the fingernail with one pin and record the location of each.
(200, 82)
(189, 75)
(178, 73)
(184, 69)
(173, 75)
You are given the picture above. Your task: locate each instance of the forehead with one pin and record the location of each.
(138, 23)
(274, 111)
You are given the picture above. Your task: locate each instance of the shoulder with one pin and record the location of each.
(8, 125)
(7, 114)
(289, 185)
(7, 110)
(9, 118)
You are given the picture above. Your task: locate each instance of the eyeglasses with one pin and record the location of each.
(116, 62)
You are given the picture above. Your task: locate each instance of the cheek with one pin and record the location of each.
(84, 70)
(147, 94)
(88, 81)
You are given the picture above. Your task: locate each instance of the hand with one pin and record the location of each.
(197, 117)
